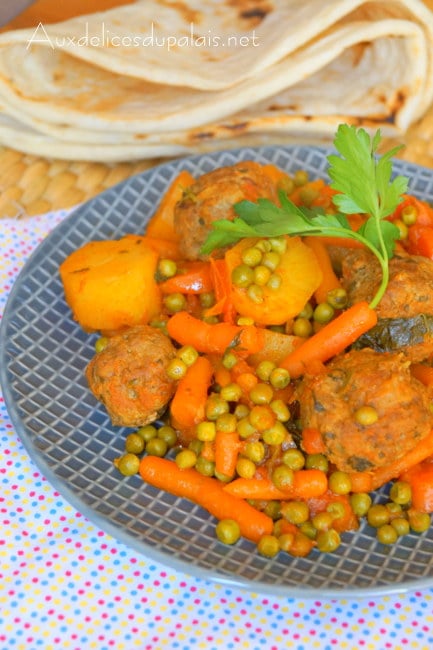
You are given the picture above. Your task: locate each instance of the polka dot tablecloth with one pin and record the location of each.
(66, 584)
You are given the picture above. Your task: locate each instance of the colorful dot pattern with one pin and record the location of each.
(66, 584)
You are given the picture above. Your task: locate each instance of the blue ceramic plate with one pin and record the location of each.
(43, 354)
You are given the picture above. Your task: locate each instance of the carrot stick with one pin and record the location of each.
(312, 441)
(307, 483)
(329, 279)
(333, 338)
(361, 481)
(420, 452)
(227, 446)
(161, 225)
(187, 407)
(187, 330)
(206, 492)
(420, 479)
(423, 373)
(195, 277)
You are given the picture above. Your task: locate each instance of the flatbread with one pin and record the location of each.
(368, 63)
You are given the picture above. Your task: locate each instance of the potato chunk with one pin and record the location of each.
(110, 285)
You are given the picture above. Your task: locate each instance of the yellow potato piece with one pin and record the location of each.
(110, 285)
(300, 276)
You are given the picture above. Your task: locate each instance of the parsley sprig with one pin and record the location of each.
(364, 184)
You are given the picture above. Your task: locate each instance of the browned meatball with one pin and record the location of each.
(405, 313)
(129, 376)
(212, 197)
(362, 378)
(410, 287)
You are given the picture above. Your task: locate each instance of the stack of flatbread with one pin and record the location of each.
(162, 78)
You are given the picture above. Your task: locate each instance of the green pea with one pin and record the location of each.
(273, 510)
(366, 415)
(255, 293)
(167, 268)
(261, 393)
(378, 515)
(268, 546)
(300, 177)
(360, 503)
(176, 369)
(205, 466)
(278, 244)
(264, 369)
(323, 313)
(255, 451)
(242, 276)
(275, 281)
(168, 434)
(282, 477)
(245, 468)
(156, 447)
(280, 409)
(207, 299)
(128, 464)
(401, 493)
(386, 534)
(327, 541)
(231, 393)
(401, 526)
(186, 459)
(409, 215)
(147, 432)
(302, 327)
(317, 461)
(134, 444)
(228, 531)
(175, 302)
(322, 521)
(187, 354)
(296, 512)
(293, 458)
(101, 343)
(252, 256)
(339, 483)
(279, 378)
(419, 521)
(216, 406)
(337, 298)
(275, 435)
(271, 260)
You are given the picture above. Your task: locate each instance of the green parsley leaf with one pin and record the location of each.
(364, 184)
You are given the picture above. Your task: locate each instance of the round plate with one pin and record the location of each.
(43, 354)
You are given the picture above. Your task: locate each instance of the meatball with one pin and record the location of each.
(212, 197)
(410, 287)
(383, 381)
(129, 376)
(405, 313)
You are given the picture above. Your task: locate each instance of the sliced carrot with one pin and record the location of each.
(227, 447)
(187, 330)
(194, 277)
(206, 492)
(312, 441)
(307, 483)
(187, 407)
(422, 450)
(161, 225)
(208, 450)
(220, 278)
(331, 339)
(329, 278)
